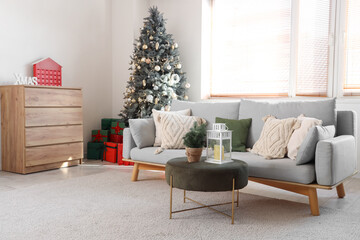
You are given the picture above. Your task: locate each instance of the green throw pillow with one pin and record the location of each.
(240, 132)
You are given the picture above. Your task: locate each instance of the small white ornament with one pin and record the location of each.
(175, 45)
(151, 37)
(164, 93)
(156, 46)
(156, 88)
(157, 68)
(175, 78)
(144, 83)
(143, 59)
(138, 67)
(168, 67)
(174, 96)
(178, 66)
(145, 47)
(187, 85)
(150, 98)
(186, 97)
(138, 45)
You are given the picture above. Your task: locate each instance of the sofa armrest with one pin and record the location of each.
(128, 143)
(335, 159)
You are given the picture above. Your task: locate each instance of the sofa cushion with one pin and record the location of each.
(320, 109)
(143, 131)
(307, 149)
(147, 154)
(283, 169)
(240, 131)
(209, 110)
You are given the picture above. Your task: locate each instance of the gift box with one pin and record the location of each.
(95, 150)
(117, 127)
(99, 135)
(116, 138)
(110, 152)
(106, 123)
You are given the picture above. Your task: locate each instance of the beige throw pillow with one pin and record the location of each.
(156, 114)
(174, 127)
(299, 134)
(275, 136)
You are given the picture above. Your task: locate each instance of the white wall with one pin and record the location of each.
(127, 18)
(75, 33)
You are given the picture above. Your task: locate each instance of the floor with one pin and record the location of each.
(41, 204)
(10, 181)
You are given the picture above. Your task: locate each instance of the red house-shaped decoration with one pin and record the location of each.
(48, 72)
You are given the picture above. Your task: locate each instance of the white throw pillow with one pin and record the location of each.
(299, 134)
(156, 114)
(174, 127)
(275, 136)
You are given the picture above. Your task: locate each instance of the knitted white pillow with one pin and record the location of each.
(156, 113)
(299, 134)
(174, 127)
(275, 136)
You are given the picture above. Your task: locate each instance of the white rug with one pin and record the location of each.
(108, 205)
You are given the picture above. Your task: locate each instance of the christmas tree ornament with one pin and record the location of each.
(176, 45)
(186, 97)
(150, 98)
(187, 85)
(156, 77)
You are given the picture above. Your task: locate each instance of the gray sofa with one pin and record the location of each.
(334, 161)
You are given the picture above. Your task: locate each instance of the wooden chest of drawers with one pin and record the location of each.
(41, 128)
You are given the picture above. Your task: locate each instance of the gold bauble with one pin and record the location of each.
(133, 100)
(151, 37)
(138, 67)
(156, 100)
(145, 47)
(143, 59)
(144, 82)
(156, 46)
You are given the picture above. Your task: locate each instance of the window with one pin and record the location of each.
(351, 82)
(271, 48)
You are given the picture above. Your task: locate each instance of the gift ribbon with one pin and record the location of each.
(98, 137)
(117, 128)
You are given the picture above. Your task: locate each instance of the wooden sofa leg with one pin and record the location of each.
(340, 190)
(313, 201)
(135, 172)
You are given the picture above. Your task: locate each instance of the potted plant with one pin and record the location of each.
(194, 141)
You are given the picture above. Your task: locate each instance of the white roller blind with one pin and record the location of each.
(250, 47)
(352, 48)
(313, 47)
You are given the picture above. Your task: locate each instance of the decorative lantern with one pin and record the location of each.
(218, 144)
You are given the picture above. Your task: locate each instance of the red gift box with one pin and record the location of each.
(116, 138)
(110, 152)
(120, 157)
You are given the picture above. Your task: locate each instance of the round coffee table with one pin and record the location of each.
(206, 177)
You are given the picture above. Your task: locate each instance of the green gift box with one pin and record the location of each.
(117, 127)
(106, 123)
(95, 150)
(99, 135)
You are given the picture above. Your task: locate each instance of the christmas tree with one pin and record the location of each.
(157, 77)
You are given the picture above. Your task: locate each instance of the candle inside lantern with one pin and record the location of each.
(217, 153)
